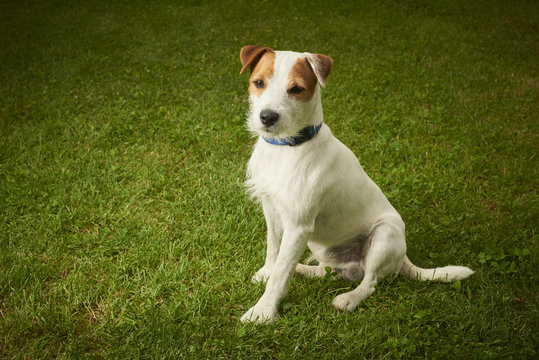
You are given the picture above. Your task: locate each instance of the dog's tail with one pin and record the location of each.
(445, 274)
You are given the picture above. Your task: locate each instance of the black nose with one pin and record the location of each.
(268, 117)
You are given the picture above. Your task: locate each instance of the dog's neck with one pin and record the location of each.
(305, 134)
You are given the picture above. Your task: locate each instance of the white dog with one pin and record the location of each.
(313, 190)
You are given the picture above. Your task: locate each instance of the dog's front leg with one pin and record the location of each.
(291, 249)
(275, 234)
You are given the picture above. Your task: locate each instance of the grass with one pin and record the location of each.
(126, 231)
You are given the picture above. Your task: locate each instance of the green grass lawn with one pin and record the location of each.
(125, 230)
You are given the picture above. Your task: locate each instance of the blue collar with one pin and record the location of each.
(304, 135)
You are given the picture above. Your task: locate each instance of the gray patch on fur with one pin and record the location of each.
(350, 251)
(351, 255)
(352, 272)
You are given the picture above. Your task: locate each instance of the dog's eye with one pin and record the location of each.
(296, 90)
(259, 84)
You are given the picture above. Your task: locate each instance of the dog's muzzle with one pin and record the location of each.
(268, 117)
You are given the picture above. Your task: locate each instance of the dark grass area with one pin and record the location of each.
(125, 230)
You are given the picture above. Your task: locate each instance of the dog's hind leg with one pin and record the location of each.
(311, 270)
(384, 258)
(350, 272)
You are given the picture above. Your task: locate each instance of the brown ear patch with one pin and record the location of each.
(262, 71)
(250, 55)
(301, 76)
(321, 65)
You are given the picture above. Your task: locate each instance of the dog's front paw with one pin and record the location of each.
(261, 275)
(346, 301)
(259, 315)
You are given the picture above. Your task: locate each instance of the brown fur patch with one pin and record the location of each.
(263, 71)
(322, 65)
(250, 55)
(303, 76)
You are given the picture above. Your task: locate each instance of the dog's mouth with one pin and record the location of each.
(271, 132)
(269, 129)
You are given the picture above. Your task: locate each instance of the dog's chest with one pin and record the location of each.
(281, 173)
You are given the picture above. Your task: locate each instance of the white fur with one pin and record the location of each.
(294, 115)
(318, 195)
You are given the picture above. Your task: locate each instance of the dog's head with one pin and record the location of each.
(284, 89)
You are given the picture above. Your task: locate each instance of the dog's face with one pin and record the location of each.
(284, 89)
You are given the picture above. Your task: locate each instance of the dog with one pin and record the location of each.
(313, 190)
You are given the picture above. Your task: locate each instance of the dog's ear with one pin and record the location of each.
(321, 65)
(250, 55)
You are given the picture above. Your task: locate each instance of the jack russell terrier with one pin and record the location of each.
(313, 190)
